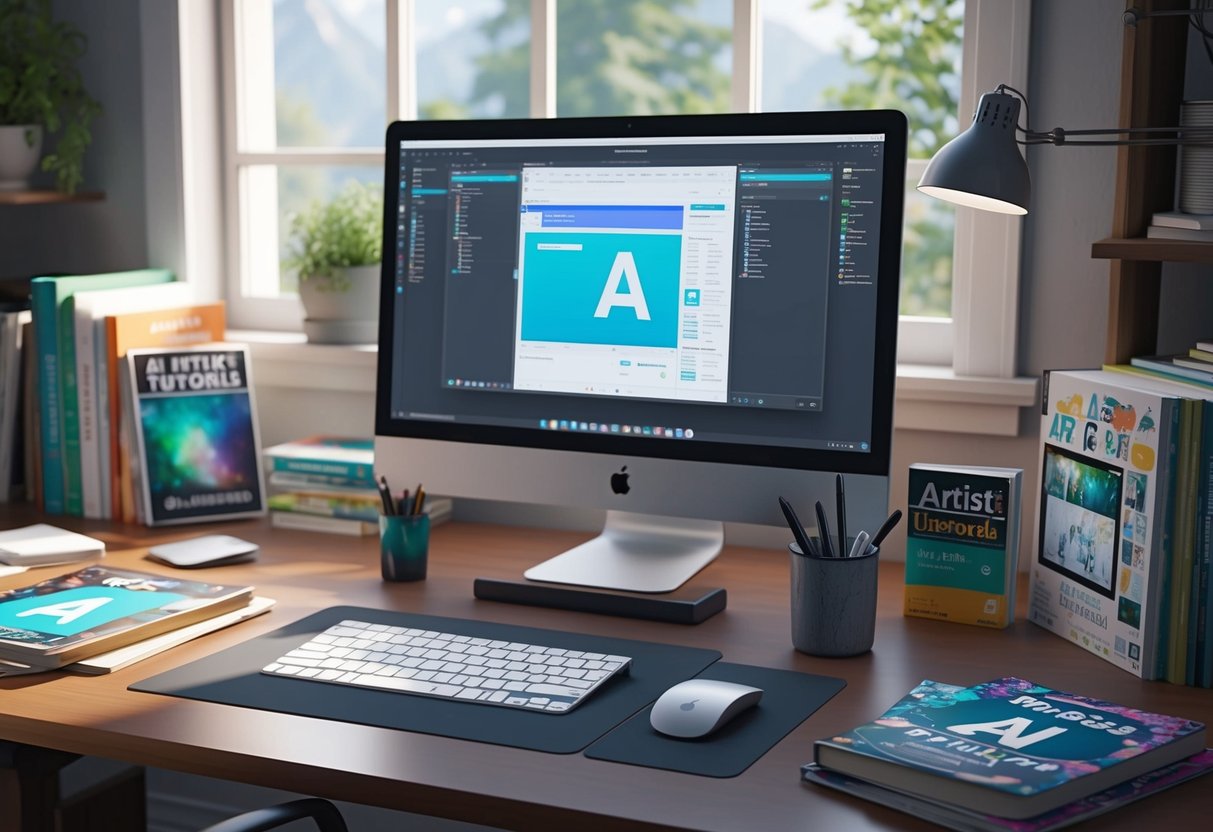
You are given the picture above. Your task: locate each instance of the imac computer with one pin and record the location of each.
(676, 319)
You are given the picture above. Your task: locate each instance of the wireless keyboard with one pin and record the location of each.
(449, 666)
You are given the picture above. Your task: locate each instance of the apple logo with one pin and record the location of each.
(688, 706)
(619, 482)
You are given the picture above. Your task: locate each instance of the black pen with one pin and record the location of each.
(886, 527)
(802, 539)
(385, 495)
(841, 496)
(823, 531)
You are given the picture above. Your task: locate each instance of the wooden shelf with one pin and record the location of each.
(47, 197)
(1160, 251)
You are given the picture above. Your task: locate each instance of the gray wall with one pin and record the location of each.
(109, 235)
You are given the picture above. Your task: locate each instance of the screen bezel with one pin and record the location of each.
(890, 123)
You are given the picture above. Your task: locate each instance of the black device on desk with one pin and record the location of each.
(655, 316)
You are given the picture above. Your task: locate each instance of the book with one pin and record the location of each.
(1166, 365)
(317, 523)
(42, 545)
(96, 609)
(962, 543)
(964, 820)
(1205, 356)
(1008, 748)
(92, 377)
(1108, 479)
(362, 505)
(1180, 219)
(1166, 232)
(1192, 555)
(49, 300)
(12, 348)
(196, 446)
(345, 458)
(170, 327)
(148, 647)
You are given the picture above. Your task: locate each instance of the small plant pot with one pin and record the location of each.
(20, 150)
(342, 309)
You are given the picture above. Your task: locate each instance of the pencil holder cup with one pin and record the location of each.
(404, 546)
(833, 603)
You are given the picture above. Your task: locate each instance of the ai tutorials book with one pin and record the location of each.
(198, 452)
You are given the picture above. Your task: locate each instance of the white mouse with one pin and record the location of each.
(698, 707)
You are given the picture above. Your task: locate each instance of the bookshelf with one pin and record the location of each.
(1151, 90)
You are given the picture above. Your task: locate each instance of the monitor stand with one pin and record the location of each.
(638, 553)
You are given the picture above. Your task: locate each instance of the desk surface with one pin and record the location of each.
(521, 789)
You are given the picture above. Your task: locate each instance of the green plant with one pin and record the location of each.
(328, 237)
(40, 84)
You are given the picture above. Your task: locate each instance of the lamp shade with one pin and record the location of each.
(982, 167)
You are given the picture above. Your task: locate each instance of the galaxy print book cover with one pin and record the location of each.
(1008, 747)
(197, 449)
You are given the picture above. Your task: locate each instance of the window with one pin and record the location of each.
(309, 85)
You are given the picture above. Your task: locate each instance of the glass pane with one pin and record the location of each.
(473, 59)
(330, 73)
(865, 54)
(643, 57)
(300, 187)
(926, 255)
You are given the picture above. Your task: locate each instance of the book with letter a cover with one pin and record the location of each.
(1008, 747)
(1107, 499)
(195, 428)
(93, 610)
(962, 545)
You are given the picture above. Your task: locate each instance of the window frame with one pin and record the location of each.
(978, 340)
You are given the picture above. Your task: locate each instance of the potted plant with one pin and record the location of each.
(41, 95)
(335, 249)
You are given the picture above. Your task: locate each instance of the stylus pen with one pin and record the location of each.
(823, 531)
(841, 496)
(385, 495)
(886, 527)
(802, 539)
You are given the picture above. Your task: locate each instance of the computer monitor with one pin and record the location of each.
(677, 319)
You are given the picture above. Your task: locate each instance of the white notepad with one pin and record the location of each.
(43, 545)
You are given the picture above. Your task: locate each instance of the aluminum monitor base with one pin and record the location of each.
(637, 553)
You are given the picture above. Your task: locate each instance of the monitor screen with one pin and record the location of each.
(716, 289)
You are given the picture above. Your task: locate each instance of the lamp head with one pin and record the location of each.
(982, 167)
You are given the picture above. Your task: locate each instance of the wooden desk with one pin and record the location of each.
(529, 790)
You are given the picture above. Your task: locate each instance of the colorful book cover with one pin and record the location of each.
(1108, 452)
(1199, 659)
(962, 544)
(365, 506)
(352, 459)
(56, 354)
(963, 820)
(195, 431)
(97, 608)
(91, 309)
(1008, 747)
(174, 327)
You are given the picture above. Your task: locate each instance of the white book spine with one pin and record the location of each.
(86, 382)
(100, 363)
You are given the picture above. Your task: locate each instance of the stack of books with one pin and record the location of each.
(1178, 225)
(98, 619)
(82, 327)
(327, 484)
(1009, 755)
(1125, 532)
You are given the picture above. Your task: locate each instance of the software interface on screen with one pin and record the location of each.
(708, 289)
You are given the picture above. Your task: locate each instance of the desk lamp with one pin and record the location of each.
(982, 167)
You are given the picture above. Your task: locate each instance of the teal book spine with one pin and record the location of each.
(43, 303)
(73, 492)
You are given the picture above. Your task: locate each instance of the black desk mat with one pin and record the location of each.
(232, 677)
(788, 699)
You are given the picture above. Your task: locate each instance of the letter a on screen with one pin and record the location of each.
(68, 611)
(623, 268)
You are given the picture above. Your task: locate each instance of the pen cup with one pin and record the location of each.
(404, 545)
(833, 603)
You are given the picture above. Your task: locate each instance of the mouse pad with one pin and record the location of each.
(788, 699)
(232, 677)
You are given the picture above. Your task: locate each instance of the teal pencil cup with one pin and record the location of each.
(404, 546)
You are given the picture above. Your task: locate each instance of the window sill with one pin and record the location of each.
(927, 397)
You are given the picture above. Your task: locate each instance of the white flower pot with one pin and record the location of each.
(20, 150)
(344, 310)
